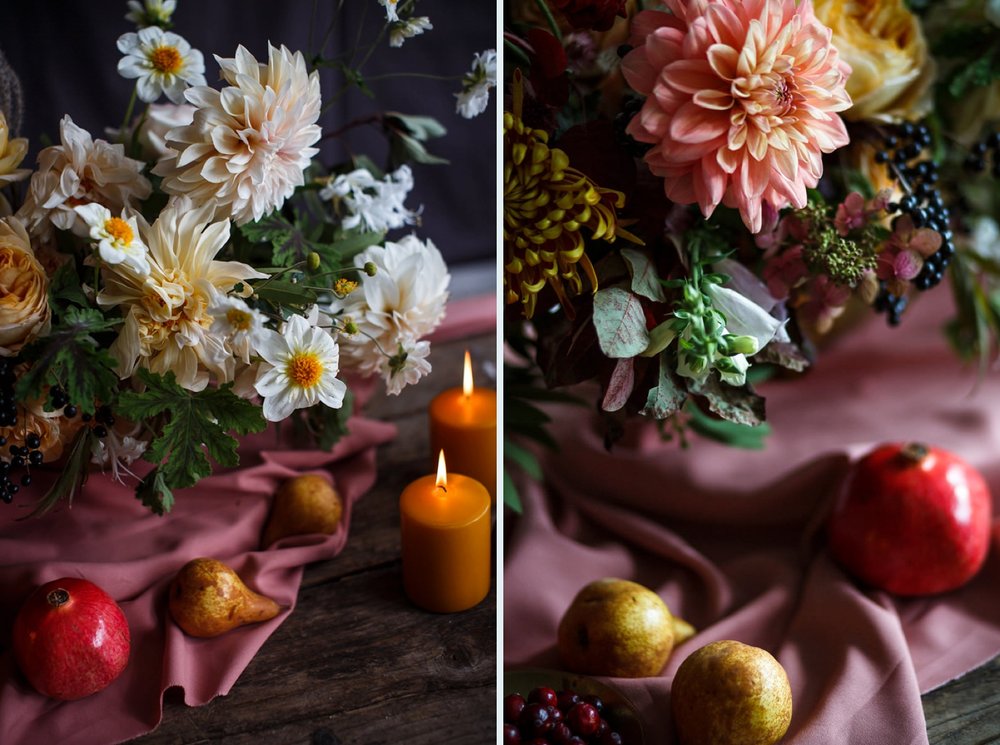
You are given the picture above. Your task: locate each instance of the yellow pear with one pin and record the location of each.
(619, 628)
(303, 504)
(731, 692)
(207, 598)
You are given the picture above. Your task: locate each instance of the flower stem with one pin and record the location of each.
(128, 113)
(516, 51)
(544, 8)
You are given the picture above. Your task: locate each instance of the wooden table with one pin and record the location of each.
(356, 662)
(966, 711)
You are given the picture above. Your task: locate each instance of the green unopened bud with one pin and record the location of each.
(726, 365)
(398, 361)
(313, 261)
(741, 344)
(370, 268)
(350, 327)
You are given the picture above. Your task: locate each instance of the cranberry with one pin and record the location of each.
(511, 735)
(561, 734)
(535, 720)
(555, 715)
(611, 738)
(596, 702)
(568, 699)
(544, 696)
(602, 727)
(575, 740)
(583, 719)
(513, 705)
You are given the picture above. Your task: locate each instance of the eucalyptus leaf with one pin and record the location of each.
(645, 280)
(667, 397)
(420, 127)
(620, 323)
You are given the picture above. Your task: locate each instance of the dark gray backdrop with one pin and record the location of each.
(65, 55)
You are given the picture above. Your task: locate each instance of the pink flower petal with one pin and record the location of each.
(693, 124)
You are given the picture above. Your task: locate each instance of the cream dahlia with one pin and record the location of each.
(742, 101)
(249, 143)
(79, 170)
(168, 318)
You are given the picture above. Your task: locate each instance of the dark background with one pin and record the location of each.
(66, 58)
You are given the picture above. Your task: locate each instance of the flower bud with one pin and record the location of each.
(313, 261)
(370, 268)
(741, 344)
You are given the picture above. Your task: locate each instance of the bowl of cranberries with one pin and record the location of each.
(547, 707)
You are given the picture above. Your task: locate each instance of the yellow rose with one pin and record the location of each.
(883, 43)
(24, 286)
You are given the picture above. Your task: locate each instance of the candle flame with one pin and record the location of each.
(442, 475)
(467, 377)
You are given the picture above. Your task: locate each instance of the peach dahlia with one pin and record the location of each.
(741, 101)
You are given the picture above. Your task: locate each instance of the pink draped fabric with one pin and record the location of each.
(110, 539)
(732, 540)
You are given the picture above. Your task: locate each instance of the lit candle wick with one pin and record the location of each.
(467, 376)
(442, 474)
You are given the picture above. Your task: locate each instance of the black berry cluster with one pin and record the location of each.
(630, 107)
(563, 718)
(904, 151)
(976, 160)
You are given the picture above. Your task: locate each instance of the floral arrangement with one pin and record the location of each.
(198, 273)
(695, 193)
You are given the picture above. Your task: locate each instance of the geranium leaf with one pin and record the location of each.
(620, 323)
(620, 386)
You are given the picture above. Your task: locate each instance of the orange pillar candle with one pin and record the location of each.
(445, 534)
(464, 425)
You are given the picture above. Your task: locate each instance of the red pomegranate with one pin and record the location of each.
(912, 519)
(70, 639)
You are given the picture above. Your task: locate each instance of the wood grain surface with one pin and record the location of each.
(356, 662)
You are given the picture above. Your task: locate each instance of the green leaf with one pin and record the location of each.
(65, 287)
(620, 323)
(728, 433)
(645, 280)
(422, 128)
(71, 357)
(154, 493)
(329, 425)
(406, 149)
(524, 458)
(197, 427)
(736, 404)
(72, 475)
(285, 292)
(511, 498)
(350, 244)
(667, 397)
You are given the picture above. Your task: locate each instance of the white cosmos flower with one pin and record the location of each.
(302, 365)
(240, 325)
(375, 205)
(400, 31)
(80, 170)
(117, 451)
(117, 237)
(150, 12)
(163, 63)
(390, 10)
(249, 143)
(475, 94)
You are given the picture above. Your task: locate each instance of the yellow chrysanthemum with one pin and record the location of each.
(546, 205)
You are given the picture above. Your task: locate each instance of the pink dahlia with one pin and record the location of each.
(741, 101)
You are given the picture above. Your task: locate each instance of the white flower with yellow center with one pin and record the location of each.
(238, 324)
(117, 238)
(391, 14)
(250, 142)
(162, 62)
(302, 365)
(167, 320)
